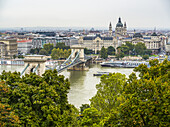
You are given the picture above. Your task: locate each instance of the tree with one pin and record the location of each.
(145, 57)
(135, 101)
(140, 48)
(7, 116)
(48, 47)
(108, 91)
(124, 49)
(40, 101)
(119, 54)
(14, 56)
(130, 46)
(43, 52)
(103, 53)
(62, 46)
(110, 50)
(90, 117)
(148, 52)
(83, 107)
(146, 99)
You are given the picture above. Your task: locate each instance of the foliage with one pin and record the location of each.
(7, 116)
(135, 101)
(108, 91)
(90, 117)
(88, 51)
(124, 49)
(62, 45)
(43, 52)
(83, 107)
(20, 56)
(111, 50)
(130, 46)
(59, 53)
(103, 53)
(119, 54)
(35, 51)
(148, 52)
(40, 101)
(14, 56)
(145, 57)
(48, 48)
(140, 48)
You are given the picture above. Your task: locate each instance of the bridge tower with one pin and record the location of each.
(75, 49)
(78, 49)
(34, 63)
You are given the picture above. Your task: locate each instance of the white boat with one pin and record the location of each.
(124, 64)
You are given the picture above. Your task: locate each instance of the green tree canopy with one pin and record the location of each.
(43, 52)
(142, 101)
(103, 53)
(48, 47)
(140, 48)
(130, 45)
(119, 53)
(40, 101)
(111, 50)
(145, 57)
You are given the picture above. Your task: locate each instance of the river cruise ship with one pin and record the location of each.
(124, 64)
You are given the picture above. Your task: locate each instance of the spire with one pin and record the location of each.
(110, 27)
(134, 31)
(119, 20)
(125, 24)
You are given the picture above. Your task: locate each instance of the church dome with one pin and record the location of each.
(154, 34)
(119, 24)
(137, 35)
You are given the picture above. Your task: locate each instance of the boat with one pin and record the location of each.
(101, 73)
(124, 64)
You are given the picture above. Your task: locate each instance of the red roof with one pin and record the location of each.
(24, 41)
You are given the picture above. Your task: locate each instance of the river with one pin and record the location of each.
(83, 83)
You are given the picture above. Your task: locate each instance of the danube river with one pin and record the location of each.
(83, 83)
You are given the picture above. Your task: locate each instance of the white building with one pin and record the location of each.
(24, 46)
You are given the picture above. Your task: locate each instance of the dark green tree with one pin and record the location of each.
(119, 53)
(145, 57)
(48, 47)
(40, 101)
(111, 50)
(140, 48)
(103, 53)
(43, 52)
(83, 107)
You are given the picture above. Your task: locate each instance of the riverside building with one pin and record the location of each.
(8, 48)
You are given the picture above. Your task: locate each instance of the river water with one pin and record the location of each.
(83, 83)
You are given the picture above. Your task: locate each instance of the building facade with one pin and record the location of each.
(38, 42)
(95, 43)
(24, 46)
(8, 48)
(153, 42)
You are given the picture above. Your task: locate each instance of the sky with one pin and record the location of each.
(85, 13)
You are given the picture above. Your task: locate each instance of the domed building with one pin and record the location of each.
(120, 29)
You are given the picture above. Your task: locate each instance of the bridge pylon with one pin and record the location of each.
(75, 49)
(34, 63)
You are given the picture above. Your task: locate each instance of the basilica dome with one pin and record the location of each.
(119, 24)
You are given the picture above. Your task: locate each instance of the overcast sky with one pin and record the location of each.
(84, 13)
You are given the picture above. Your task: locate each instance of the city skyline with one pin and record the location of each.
(96, 13)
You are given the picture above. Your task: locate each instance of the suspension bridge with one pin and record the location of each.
(76, 61)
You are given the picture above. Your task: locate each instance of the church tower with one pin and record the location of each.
(110, 29)
(119, 28)
(125, 29)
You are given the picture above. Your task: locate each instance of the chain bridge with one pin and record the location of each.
(76, 61)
